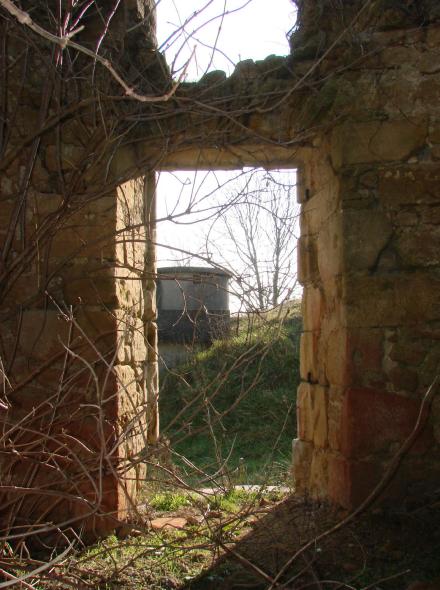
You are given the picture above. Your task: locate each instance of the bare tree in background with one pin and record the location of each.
(255, 238)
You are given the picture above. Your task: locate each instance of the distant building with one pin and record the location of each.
(193, 309)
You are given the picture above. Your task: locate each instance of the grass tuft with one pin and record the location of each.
(235, 401)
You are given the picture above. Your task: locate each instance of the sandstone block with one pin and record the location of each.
(428, 90)
(302, 453)
(151, 337)
(419, 246)
(97, 322)
(308, 271)
(433, 36)
(87, 289)
(70, 157)
(350, 482)
(376, 141)
(373, 420)
(313, 308)
(129, 292)
(83, 241)
(149, 304)
(334, 411)
(302, 193)
(408, 351)
(399, 56)
(365, 352)
(309, 353)
(434, 132)
(330, 243)
(318, 485)
(319, 208)
(406, 186)
(138, 349)
(129, 394)
(407, 218)
(430, 215)
(130, 250)
(312, 404)
(43, 333)
(403, 379)
(334, 356)
(168, 522)
(396, 300)
(365, 233)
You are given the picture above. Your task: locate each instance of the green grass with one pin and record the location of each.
(235, 401)
(232, 500)
(168, 501)
(155, 561)
(167, 558)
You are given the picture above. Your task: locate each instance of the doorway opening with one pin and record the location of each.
(229, 323)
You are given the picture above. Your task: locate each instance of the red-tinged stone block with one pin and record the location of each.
(92, 432)
(374, 420)
(101, 502)
(350, 482)
(365, 351)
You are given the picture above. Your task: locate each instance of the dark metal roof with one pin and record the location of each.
(206, 270)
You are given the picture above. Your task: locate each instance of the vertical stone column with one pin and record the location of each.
(370, 267)
(136, 364)
(150, 309)
(81, 360)
(322, 352)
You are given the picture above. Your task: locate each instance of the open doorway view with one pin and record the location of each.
(229, 323)
(95, 101)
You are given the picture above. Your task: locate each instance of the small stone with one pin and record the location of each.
(213, 514)
(168, 522)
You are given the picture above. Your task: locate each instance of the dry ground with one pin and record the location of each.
(384, 549)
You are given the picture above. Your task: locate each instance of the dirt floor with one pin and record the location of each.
(385, 548)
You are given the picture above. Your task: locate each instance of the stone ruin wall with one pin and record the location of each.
(365, 133)
(87, 286)
(369, 261)
(100, 304)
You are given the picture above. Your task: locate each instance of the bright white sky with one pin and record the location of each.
(189, 231)
(252, 29)
(255, 31)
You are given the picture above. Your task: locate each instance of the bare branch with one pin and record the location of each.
(66, 41)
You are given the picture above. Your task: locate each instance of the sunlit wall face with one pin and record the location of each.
(219, 33)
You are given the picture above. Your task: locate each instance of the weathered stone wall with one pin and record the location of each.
(87, 349)
(78, 335)
(369, 262)
(356, 108)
